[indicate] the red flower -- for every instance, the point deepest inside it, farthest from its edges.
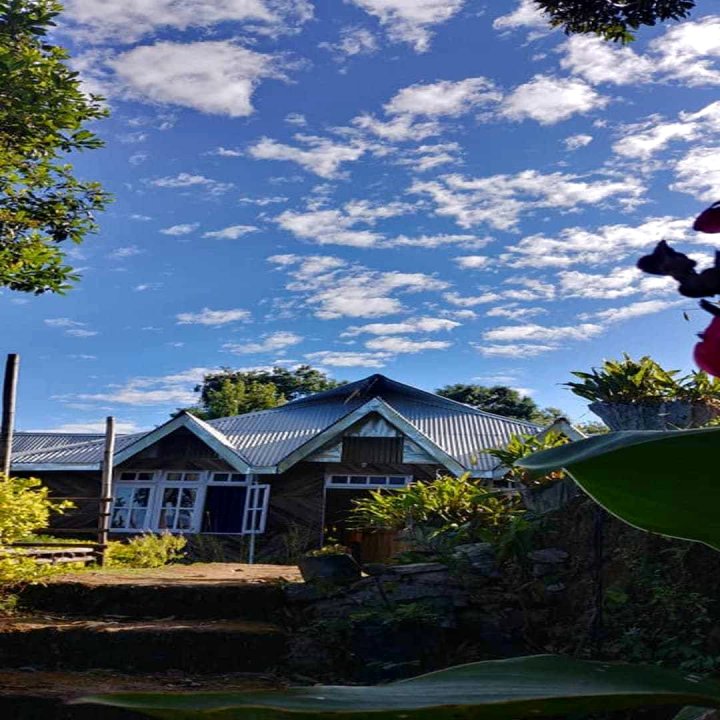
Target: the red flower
(708, 221)
(707, 351)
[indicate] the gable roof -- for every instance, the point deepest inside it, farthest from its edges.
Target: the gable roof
(269, 441)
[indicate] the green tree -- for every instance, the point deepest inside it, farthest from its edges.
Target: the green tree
(43, 117)
(234, 392)
(616, 21)
(498, 399)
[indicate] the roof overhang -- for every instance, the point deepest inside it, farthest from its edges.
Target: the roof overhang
(215, 440)
(379, 406)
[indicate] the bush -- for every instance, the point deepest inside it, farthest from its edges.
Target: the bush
(521, 446)
(145, 551)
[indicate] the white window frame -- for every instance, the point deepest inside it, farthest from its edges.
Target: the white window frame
(368, 485)
(229, 482)
(256, 501)
(157, 485)
(134, 485)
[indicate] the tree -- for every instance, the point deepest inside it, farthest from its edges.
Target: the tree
(498, 399)
(43, 113)
(548, 415)
(611, 19)
(234, 392)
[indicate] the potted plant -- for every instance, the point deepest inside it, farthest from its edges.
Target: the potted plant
(632, 394)
(331, 563)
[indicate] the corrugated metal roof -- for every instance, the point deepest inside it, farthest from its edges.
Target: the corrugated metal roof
(33, 441)
(265, 438)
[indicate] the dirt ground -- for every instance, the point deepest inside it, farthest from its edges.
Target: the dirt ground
(196, 574)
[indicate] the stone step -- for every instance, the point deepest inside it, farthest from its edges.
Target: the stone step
(133, 646)
(45, 695)
(188, 600)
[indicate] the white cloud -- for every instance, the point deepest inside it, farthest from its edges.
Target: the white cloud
(334, 289)
(213, 317)
(698, 173)
(578, 245)
(321, 156)
(427, 157)
(472, 262)
(575, 142)
(216, 77)
(534, 333)
(445, 98)
(471, 301)
(516, 351)
(270, 343)
(352, 41)
(182, 229)
(348, 359)
(398, 345)
(226, 152)
(416, 325)
(500, 200)
(232, 232)
(130, 20)
(411, 21)
(526, 15)
(633, 310)
(513, 311)
(600, 62)
(89, 428)
(72, 328)
(125, 252)
(616, 283)
(188, 180)
(398, 129)
(171, 390)
(550, 100)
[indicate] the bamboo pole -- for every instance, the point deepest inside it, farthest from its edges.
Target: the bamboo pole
(106, 488)
(9, 398)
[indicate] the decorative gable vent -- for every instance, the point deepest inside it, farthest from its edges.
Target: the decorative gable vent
(384, 450)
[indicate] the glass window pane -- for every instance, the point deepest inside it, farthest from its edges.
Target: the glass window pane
(358, 480)
(173, 476)
(127, 475)
(184, 521)
(187, 498)
(339, 479)
(397, 480)
(237, 477)
(170, 497)
(137, 519)
(122, 496)
(119, 519)
(220, 477)
(192, 477)
(141, 497)
(378, 480)
(145, 476)
(167, 520)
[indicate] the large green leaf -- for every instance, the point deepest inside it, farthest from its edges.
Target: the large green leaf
(493, 690)
(665, 482)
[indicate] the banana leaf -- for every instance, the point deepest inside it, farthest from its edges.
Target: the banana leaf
(664, 482)
(534, 686)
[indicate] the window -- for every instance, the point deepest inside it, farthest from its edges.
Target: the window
(136, 476)
(177, 509)
(131, 507)
(372, 449)
(358, 482)
(224, 477)
(256, 506)
(182, 476)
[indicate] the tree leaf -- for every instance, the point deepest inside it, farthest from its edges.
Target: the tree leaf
(662, 482)
(495, 690)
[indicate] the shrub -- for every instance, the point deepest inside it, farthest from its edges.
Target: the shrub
(326, 550)
(145, 551)
(521, 446)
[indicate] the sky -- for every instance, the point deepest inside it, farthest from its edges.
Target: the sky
(443, 191)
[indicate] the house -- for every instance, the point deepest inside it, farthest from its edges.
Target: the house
(266, 473)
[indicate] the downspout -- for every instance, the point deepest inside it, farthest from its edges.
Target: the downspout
(251, 545)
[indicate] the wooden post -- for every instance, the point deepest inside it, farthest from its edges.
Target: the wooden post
(106, 488)
(251, 544)
(8, 412)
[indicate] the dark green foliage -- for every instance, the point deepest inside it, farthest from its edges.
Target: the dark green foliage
(43, 114)
(616, 21)
(498, 399)
(234, 392)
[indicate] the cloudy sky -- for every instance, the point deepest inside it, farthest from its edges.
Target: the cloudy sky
(439, 190)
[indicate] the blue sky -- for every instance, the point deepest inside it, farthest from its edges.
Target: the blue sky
(440, 190)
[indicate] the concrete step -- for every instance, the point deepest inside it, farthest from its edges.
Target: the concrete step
(133, 646)
(187, 600)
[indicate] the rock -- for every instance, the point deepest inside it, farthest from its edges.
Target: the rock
(548, 556)
(481, 556)
(555, 587)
